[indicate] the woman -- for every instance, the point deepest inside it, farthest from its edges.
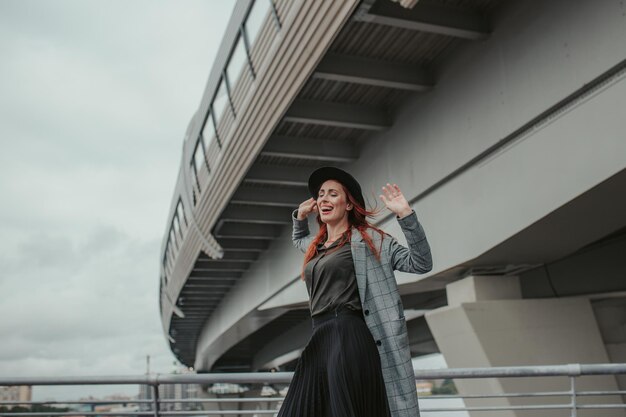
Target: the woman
(357, 362)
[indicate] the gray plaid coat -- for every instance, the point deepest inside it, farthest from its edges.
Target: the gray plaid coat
(382, 306)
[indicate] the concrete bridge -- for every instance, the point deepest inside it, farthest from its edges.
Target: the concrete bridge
(503, 122)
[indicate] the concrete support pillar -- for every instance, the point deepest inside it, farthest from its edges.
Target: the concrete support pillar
(611, 315)
(487, 323)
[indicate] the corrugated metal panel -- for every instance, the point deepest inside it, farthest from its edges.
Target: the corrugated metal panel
(316, 131)
(391, 44)
(285, 161)
(482, 6)
(274, 186)
(349, 93)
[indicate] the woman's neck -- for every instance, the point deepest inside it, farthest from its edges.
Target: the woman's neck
(334, 231)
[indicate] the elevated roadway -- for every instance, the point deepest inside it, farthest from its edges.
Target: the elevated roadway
(502, 122)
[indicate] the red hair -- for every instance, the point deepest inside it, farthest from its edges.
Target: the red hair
(357, 217)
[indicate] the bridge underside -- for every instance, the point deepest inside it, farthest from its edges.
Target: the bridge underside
(383, 55)
(498, 120)
(547, 264)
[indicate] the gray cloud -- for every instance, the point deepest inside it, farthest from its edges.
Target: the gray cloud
(96, 97)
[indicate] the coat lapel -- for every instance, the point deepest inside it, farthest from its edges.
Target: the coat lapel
(359, 258)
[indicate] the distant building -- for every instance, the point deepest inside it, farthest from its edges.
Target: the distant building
(171, 392)
(145, 393)
(118, 397)
(103, 407)
(424, 387)
(16, 393)
(178, 392)
(115, 406)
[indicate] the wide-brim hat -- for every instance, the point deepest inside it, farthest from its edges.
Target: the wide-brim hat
(317, 178)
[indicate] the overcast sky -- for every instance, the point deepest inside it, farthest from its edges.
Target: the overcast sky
(95, 97)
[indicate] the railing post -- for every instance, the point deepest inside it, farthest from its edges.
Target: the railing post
(155, 399)
(573, 393)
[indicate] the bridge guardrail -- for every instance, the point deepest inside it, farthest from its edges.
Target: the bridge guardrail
(154, 381)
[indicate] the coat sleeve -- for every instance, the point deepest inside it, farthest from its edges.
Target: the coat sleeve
(416, 258)
(300, 236)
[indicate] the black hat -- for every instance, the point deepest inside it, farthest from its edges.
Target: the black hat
(317, 178)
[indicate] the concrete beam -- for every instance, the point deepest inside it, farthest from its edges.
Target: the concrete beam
(241, 256)
(198, 276)
(203, 299)
(193, 317)
(249, 231)
(428, 18)
(220, 266)
(209, 289)
(276, 175)
(310, 149)
(235, 244)
(261, 197)
(231, 256)
(261, 215)
(360, 70)
(338, 115)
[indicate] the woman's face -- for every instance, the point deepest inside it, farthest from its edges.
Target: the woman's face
(331, 195)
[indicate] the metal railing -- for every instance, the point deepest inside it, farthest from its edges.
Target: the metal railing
(571, 371)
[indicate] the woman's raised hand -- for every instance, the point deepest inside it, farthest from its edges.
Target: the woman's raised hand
(395, 201)
(307, 207)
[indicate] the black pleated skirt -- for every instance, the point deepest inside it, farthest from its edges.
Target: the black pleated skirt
(339, 373)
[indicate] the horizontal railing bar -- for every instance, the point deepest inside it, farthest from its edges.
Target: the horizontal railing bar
(205, 412)
(273, 411)
(525, 407)
(601, 406)
(86, 380)
(81, 413)
(285, 377)
(281, 398)
(573, 369)
(513, 394)
(528, 394)
(457, 409)
(77, 402)
(559, 406)
(157, 379)
(429, 397)
(590, 393)
(220, 400)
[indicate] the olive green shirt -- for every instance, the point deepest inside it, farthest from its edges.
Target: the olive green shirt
(331, 280)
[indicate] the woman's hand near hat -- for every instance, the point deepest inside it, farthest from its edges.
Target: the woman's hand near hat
(306, 208)
(395, 201)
